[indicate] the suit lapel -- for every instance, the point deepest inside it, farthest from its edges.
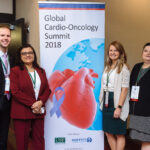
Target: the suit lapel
(28, 80)
(40, 75)
(1, 70)
(2, 79)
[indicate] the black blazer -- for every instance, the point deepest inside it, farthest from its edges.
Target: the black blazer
(2, 84)
(141, 108)
(2, 80)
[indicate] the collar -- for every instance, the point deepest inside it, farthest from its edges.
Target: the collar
(2, 53)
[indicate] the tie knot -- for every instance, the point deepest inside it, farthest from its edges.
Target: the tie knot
(5, 55)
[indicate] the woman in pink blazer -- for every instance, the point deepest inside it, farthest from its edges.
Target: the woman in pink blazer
(30, 91)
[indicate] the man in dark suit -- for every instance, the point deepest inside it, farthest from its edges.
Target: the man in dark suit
(5, 64)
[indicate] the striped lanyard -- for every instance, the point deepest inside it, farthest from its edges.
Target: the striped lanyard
(108, 75)
(33, 79)
(5, 67)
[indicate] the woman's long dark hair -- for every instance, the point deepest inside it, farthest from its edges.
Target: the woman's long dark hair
(20, 62)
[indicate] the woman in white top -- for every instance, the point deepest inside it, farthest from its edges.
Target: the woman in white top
(114, 98)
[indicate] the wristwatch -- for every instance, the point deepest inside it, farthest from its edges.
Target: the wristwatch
(119, 106)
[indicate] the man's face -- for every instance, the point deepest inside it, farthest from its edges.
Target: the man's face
(5, 38)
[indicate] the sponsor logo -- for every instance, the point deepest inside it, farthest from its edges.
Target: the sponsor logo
(82, 140)
(60, 140)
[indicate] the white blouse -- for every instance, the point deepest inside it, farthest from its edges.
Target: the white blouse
(37, 83)
(111, 75)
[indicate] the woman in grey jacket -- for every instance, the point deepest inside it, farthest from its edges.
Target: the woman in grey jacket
(114, 96)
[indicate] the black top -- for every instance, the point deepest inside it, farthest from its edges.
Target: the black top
(142, 106)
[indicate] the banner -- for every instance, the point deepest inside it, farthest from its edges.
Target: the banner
(72, 53)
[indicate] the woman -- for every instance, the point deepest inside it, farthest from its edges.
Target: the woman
(140, 100)
(114, 99)
(30, 91)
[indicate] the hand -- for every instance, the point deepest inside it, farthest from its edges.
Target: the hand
(117, 113)
(39, 111)
(37, 105)
(36, 111)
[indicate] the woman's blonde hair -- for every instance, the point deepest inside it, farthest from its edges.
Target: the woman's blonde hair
(122, 57)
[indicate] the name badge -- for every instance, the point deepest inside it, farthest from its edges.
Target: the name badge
(135, 93)
(7, 85)
(106, 98)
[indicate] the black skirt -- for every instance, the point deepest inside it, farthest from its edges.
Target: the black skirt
(112, 125)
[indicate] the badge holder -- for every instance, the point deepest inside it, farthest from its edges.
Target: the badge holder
(135, 93)
(106, 98)
(7, 85)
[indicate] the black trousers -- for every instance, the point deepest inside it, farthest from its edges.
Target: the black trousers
(4, 127)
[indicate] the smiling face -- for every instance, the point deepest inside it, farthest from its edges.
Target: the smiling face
(146, 54)
(5, 38)
(27, 56)
(113, 53)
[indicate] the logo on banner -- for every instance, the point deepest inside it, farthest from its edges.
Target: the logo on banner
(82, 140)
(60, 140)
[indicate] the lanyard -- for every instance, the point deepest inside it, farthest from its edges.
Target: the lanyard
(6, 69)
(108, 75)
(33, 79)
(141, 73)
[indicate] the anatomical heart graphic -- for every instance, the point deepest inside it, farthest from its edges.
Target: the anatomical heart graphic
(73, 97)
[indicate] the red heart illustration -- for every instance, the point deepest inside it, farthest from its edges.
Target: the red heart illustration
(79, 105)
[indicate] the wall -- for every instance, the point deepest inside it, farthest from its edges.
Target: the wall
(28, 9)
(126, 21)
(6, 6)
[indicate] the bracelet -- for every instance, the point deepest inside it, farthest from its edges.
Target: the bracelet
(119, 106)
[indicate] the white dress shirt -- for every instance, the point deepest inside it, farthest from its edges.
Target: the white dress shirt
(2, 58)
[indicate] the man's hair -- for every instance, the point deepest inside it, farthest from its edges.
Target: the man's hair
(5, 26)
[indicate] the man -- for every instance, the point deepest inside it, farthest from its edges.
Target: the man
(5, 64)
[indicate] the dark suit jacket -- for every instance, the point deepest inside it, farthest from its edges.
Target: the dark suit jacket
(2, 83)
(23, 95)
(2, 80)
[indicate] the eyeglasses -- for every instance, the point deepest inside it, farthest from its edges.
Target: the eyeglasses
(27, 53)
